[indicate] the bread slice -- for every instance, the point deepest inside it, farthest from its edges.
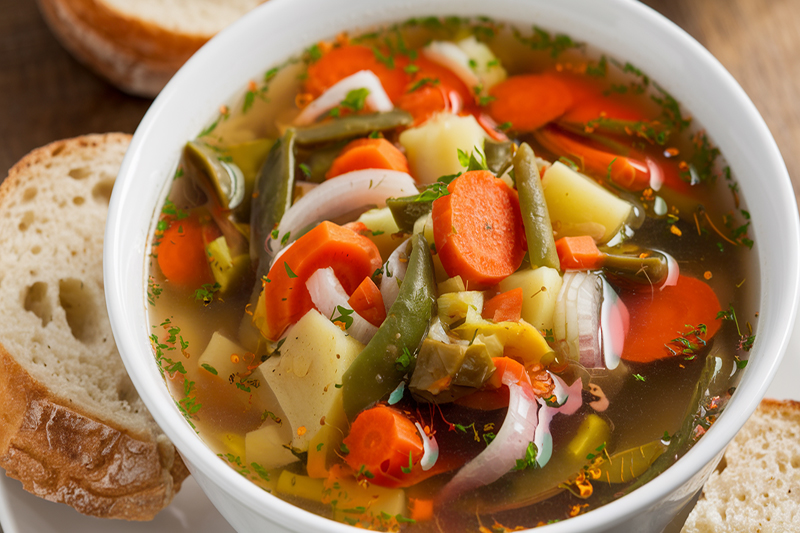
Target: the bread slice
(72, 427)
(138, 45)
(756, 489)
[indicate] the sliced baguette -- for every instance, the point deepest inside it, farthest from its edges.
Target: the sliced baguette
(756, 489)
(138, 45)
(72, 427)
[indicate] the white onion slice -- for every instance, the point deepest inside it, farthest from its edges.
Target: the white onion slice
(394, 271)
(615, 322)
(510, 444)
(341, 195)
(673, 271)
(451, 56)
(570, 400)
(430, 449)
(576, 318)
(377, 100)
(327, 294)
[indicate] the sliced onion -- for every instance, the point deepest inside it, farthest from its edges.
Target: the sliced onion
(327, 294)
(339, 196)
(576, 319)
(615, 322)
(451, 56)
(510, 444)
(377, 100)
(570, 400)
(430, 449)
(394, 271)
(673, 271)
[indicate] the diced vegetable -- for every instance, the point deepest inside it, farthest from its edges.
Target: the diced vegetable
(324, 449)
(455, 284)
(249, 156)
(382, 229)
(300, 486)
(390, 355)
(529, 101)
(367, 301)
(658, 317)
(368, 153)
(540, 288)
(228, 271)
(223, 357)
(408, 210)
(579, 253)
(520, 340)
(483, 62)
(352, 257)
(432, 148)
(331, 300)
(533, 206)
(505, 307)
(367, 504)
(268, 444)
(456, 308)
(312, 361)
(579, 206)
(181, 254)
(478, 229)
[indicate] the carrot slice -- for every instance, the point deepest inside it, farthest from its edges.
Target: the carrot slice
(421, 509)
(425, 102)
(529, 101)
(579, 253)
(368, 153)
(181, 254)
(478, 229)
(367, 301)
(352, 257)
(344, 61)
(659, 316)
(505, 307)
(494, 395)
(626, 172)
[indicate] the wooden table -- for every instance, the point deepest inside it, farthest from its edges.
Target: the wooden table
(47, 95)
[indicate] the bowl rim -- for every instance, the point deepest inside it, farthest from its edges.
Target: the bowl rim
(122, 309)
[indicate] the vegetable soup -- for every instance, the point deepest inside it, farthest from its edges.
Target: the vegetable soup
(449, 276)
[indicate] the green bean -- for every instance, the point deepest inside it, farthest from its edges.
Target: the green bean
(249, 157)
(274, 188)
(353, 126)
(499, 155)
(220, 179)
(538, 230)
(407, 210)
(652, 269)
(391, 354)
(319, 160)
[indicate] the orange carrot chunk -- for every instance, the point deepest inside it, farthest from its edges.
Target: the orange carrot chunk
(478, 229)
(368, 153)
(344, 61)
(493, 395)
(505, 307)
(367, 301)
(353, 257)
(529, 101)
(579, 253)
(659, 316)
(181, 254)
(626, 172)
(421, 509)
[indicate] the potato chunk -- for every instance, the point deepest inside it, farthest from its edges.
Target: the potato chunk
(540, 288)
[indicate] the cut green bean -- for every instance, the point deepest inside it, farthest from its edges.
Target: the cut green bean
(391, 354)
(220, 179)
(407, 210)
(352, 126)
(652, 269)
(535, 217)
(499, 155)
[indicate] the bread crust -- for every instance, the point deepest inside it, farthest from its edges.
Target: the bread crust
(135, 55)
(53, 445)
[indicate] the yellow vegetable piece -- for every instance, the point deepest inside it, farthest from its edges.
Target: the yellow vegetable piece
(455, 284)
(382, 226)
(629, 464)
(300, 486)
(520, 340)
(323, 448)
(354, 501)
(540, 288)
(228, 271)
(592, 433)
(455, 307)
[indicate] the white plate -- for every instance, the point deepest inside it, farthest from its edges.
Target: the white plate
(21, 512)
(191, 511)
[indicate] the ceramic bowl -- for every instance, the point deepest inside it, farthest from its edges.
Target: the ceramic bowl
(624, 29)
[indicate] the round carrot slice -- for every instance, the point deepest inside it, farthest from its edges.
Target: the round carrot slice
(529, 101)
(478, 229)
(181, 254)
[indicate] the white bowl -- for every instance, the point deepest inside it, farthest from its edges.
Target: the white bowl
(624, 29)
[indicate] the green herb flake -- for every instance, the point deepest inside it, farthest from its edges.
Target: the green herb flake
(344, 316)
(639, 377)
(210, 369)
(403, 362)
(289, 270)
(305, 170)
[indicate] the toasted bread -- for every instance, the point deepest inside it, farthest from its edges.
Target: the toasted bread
(73, 429)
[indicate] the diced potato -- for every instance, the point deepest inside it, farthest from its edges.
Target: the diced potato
(432, 148)
(266, 445)
(455, 284)
(579, 206)
(540, 288)
(382, 225)
(349, 495)
(323, 451)
(300, 486)
(228, 271)
(223, 356)
(313, 359)
(464, 306)
(485, 64)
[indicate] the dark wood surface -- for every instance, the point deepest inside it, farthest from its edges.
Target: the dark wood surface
(47, 95)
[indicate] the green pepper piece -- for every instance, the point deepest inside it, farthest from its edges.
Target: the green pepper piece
(391, 354)
(535, 217)
(222, 179)
(408, 209)
(249, 157)
(353, 126)
(274, 189)
(499, 155)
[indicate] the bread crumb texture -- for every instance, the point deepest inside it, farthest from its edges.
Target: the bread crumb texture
(73, 429)
(756, 488)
